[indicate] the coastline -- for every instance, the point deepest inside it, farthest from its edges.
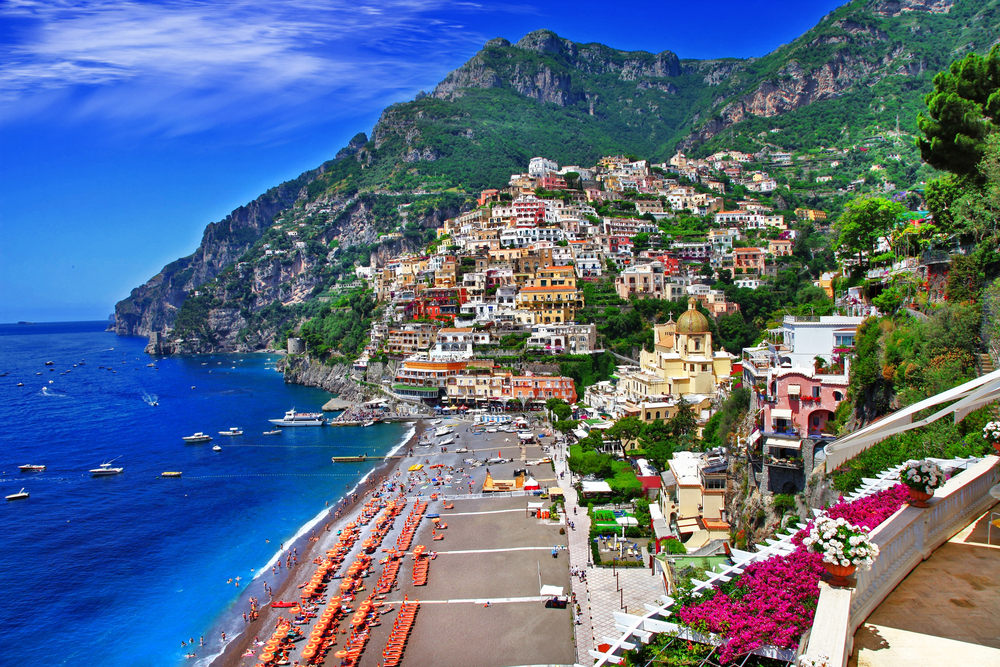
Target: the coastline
(232, 654)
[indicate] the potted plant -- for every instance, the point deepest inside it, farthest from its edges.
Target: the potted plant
(922, 477)
(991, 433)
(844, 547)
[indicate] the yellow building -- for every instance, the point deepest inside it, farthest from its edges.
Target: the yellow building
(552, 295)
(683, 356)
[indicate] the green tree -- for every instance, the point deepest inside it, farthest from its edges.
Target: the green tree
(626, 430)
(962, 112)
(863, 223)
(559, 408)
(684, 423)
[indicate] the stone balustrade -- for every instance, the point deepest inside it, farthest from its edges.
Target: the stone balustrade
(904, 540)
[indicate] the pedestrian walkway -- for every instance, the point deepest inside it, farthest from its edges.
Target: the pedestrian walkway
(621, 589)
(579, 558)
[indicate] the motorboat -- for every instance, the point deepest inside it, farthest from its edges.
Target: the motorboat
(31, 468)
(446, 441)
(293, 418)
(173, 473)
(197, 437)
(443, 430)
(462, 450)
(105, 470)
(20, 495)
(274, 432)
(233, 430)
(370, 422)
(216, 448)
(435, 422)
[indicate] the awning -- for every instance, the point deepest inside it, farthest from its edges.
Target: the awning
(754, 437)
(535, 506)
(546, 591)
(794, 390)
(554, 491)
(596, 487)
(580, 433)
(784, 444)
(660, 529)
(627, 521)
(781, 414)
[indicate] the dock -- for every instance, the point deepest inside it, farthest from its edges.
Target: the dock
(349, 459)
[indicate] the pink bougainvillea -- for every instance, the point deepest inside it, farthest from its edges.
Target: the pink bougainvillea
(773, 601)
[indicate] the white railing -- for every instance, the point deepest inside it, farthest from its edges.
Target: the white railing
(904, 540)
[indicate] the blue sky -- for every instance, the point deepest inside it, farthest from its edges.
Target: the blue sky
(126, 127)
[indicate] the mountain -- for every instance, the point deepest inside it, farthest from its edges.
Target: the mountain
(866, 65)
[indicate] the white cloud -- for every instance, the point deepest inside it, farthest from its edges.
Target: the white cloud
(181, 64)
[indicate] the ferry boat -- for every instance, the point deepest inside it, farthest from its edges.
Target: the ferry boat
(105, 470)
(31, 468)
(233, 430)
(197, 437)
(293, 418)
(20, 495)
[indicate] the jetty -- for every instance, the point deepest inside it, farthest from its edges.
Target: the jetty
(349, 459)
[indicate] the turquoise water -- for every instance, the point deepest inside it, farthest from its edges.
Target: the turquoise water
(117, 571)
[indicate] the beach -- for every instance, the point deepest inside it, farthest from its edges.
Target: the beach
(491, 552)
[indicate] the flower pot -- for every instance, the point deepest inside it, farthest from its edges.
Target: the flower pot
(839, 573)
(919, 498)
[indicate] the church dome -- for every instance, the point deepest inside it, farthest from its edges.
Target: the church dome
(691, 321)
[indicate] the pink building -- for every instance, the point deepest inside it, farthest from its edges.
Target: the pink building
(804, 403)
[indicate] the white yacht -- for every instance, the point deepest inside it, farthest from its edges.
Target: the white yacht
(443, 430)
(197, 437)
(216, 448)
(233, 430)
(293, 418)
(20, 495)
(105, 469)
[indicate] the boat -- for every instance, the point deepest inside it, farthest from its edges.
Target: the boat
(216, 448)
(443, 430)
(20, 384)
(349, 459)
(170, 474)
(446, 441)
(105, 469)
(281, 604)
(274, 432)
(50, 363)
(31, 468)
(20, 495)
(370, 422)
(197, 437)
(233, 430)
(435, 422)
(462, 450)
(293, 418)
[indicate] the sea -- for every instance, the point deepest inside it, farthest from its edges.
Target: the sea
(119, 571)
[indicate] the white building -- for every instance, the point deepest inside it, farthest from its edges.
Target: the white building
(540, 166)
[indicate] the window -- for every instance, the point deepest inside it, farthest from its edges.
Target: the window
(816, 421)
(816, 392)
(837, 396)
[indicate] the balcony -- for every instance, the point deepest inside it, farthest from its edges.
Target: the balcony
(932, 595)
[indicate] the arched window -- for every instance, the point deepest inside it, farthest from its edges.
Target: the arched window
(838, 396)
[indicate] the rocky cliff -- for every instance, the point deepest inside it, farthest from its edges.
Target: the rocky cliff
(153, 305)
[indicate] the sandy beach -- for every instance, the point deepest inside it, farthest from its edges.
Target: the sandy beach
(491, 552)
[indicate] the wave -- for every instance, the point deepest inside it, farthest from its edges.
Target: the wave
(150, 399)
(51, 393)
